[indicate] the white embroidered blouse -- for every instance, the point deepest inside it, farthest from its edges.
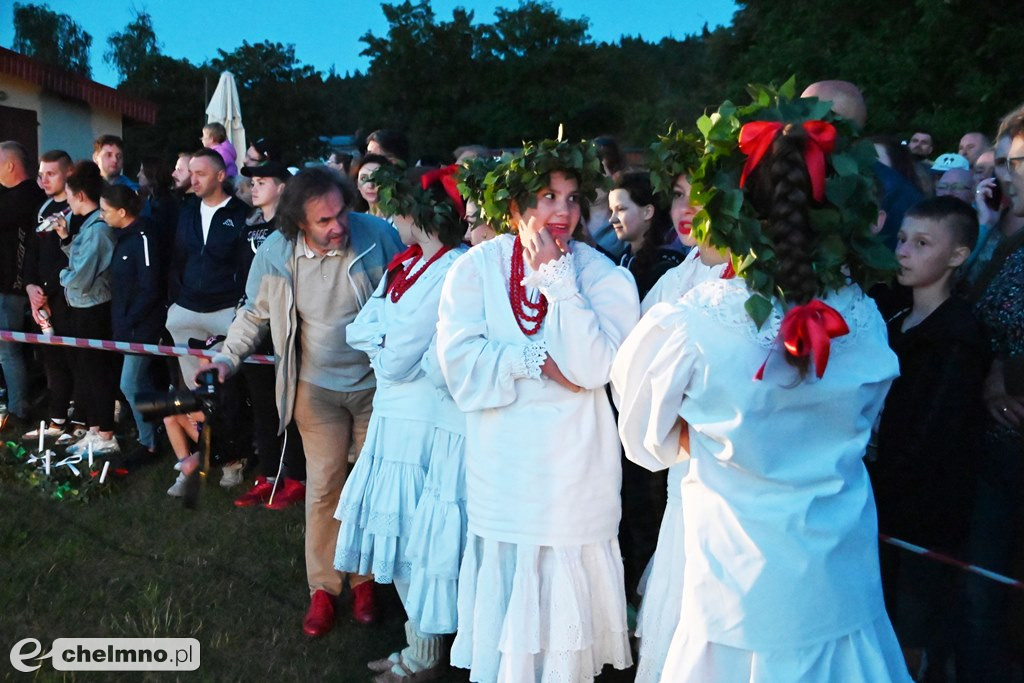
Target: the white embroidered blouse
(542, 462)
(781, 532)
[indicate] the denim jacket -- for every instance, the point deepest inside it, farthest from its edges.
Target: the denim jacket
(86, 280)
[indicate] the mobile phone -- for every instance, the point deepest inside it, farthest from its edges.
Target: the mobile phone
(996, 200)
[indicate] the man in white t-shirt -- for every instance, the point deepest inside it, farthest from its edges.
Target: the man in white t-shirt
(204, 271)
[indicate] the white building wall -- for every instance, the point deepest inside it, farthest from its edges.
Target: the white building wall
(63, 123)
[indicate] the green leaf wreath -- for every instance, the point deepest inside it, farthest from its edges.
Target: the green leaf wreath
(844, 249)
(400, 195)
(520, 176)
(471, 178)
(63, 483)
(675, 153)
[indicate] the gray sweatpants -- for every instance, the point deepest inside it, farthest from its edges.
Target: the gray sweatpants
(184, 324)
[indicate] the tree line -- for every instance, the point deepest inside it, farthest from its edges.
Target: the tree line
(945, 67)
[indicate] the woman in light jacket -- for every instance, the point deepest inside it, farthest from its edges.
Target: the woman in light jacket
(86, 282)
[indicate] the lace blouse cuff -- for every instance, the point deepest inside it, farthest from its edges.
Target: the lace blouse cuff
(555, 279)
(528, 363)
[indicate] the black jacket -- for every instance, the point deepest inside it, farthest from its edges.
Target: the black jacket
(929, 437)
(204, 277)
(44, 259)
(162, 214)
(18, 206)
(664, 260)
(138, 309)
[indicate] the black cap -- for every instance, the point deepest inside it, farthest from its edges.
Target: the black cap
(268, 169)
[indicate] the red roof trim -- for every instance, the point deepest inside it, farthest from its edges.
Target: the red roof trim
(77, 87)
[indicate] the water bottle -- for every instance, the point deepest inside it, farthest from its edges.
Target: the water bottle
(44, 321)
(50, 222)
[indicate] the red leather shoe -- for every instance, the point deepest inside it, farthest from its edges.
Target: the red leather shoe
(364, 610)
(259, 493)
(288, 493)
(320, 615)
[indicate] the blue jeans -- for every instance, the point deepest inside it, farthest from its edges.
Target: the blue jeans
(137, 377)
(12, 317)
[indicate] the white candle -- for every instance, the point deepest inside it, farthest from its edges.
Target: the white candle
(46, 460)
(90, 455)
(42, 435)
(103, 474)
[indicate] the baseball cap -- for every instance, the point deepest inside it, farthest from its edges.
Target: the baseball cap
(949, 161)
(268, 169)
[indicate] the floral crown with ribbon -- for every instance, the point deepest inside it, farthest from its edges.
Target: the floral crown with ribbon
(528, 171)
(844, 207)
(675, 153)
(400, 195)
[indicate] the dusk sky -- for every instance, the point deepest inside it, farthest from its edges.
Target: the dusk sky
(327, 33)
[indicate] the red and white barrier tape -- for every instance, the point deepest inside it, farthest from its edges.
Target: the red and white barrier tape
(952, 561)
(161, 350)
(122, 347)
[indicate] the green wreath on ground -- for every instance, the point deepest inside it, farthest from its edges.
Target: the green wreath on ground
(69, 479)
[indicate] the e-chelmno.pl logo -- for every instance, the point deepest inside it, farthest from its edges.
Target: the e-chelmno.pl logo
(108, 654)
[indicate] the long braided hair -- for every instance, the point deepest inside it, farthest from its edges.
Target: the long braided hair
(781, 194)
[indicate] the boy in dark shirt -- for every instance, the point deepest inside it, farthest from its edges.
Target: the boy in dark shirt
(929, 430)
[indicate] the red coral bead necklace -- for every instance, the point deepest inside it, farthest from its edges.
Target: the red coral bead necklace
(521, 304)
(402, 281)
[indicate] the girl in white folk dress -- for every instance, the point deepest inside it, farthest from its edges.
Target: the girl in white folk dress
(781, 581)
(403, 507)
(673, 158)
(529, 325)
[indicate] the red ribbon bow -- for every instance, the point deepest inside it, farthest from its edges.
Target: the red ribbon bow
(446, 175)
(413, 252)
(807, 331)
(757, 137)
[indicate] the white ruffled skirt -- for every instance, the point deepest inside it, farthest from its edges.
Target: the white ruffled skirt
(540, 613)
(378, 503)
(868, 655)
(662, 590)
(437, 539)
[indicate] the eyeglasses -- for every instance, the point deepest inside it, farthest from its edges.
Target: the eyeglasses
(952, 187)
(1013, 163)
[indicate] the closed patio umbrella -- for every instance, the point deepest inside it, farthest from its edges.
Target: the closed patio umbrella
(226, 109)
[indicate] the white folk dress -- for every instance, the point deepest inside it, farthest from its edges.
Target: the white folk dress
(541, 592)
(680, 279)
(662, 582)
(410, 474)
(781, 541)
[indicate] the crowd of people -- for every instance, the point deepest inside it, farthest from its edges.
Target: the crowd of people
(594, 412)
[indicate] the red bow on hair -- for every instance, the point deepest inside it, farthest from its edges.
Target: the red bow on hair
(808, 330)
(446, 175)
(757, 137)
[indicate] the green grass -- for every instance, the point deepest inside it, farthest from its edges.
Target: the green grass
(135, 563)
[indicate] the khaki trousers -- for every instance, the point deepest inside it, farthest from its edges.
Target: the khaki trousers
(329, 422)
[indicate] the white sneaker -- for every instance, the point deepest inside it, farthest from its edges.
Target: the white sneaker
(81, 447)
(52, 430)
(231, 475)
(178, 487)
(68, 438)
(101, 446)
